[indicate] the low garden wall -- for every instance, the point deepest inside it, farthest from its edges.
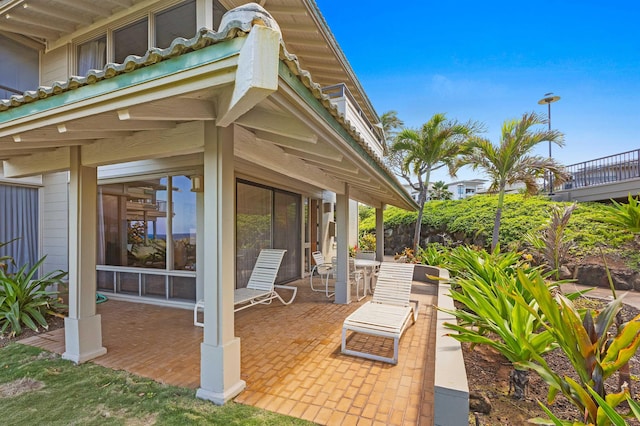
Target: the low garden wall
(451, 390)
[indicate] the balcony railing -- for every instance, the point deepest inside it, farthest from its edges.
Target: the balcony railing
(347, 105)
(614, 168)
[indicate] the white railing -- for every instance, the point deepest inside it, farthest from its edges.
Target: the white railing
(347, 105)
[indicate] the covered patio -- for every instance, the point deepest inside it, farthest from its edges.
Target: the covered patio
(290, 357)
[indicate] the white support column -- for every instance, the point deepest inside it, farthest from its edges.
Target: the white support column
(82, 328)
(220, 350)
(200, 245)
(379, 233)
(343, 289)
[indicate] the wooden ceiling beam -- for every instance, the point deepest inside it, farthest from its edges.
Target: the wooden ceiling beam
(50, 144)
(179, 109)
(47, 24)
(277, 124)
(16, 27)
(111, 124)
(92, 8)
(286, 10)
(54, 136)
(65, 15)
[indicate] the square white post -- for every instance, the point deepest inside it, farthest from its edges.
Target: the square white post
(343, 288)
(82, 328)
(220, 350)
(380, 233)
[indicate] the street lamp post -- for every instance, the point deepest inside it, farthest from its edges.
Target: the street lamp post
(548, 99)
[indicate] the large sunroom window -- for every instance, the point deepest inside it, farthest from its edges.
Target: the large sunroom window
(147, 238)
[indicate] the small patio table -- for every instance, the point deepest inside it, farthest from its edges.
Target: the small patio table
(368, 266)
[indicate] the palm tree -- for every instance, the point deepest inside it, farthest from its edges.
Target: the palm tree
(511, 162)
(390, 123)
(440, 191)
(436, 144)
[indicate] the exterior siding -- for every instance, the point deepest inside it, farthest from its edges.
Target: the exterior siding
(55, 221)
(55, 66)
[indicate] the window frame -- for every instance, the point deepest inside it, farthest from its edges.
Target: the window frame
(109, 29)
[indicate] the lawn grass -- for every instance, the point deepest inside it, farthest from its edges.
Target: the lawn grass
(89, 394)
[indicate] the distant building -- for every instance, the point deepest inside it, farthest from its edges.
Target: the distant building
(466, 188)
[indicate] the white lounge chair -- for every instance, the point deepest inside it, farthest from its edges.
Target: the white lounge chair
(388, 313)
(261, 286)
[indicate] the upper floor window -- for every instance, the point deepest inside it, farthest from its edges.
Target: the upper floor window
(133, 39)
(18, 68)
(179, 21)
(92, 55)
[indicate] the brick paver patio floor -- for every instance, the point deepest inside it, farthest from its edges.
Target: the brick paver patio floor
(291, 357)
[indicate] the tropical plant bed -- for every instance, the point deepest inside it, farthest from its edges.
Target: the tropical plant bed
(53, 321)
(488, 377)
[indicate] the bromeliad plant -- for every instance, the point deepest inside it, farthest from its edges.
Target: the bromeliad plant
(468, 261)
(486, 289)
(587, 339)
(25, 300)
(609, 413)
(434, 254)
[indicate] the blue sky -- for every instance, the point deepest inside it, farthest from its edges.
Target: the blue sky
(493, 60)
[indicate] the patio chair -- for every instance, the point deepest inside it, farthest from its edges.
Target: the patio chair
(388, 313)
(324, 270)
(261, 286)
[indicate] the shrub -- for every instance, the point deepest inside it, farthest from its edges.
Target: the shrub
(434, 254)
(367, 242)
(25, 300)
(474, 218)
(485, 285)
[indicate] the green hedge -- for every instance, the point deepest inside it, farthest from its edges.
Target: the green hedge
(474, 217)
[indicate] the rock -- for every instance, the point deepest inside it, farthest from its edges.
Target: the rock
(624, 279)
(479, 403)
(596, 276)
(565, 273)
(591, 275)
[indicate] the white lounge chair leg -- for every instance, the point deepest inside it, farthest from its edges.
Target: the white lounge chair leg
(396, 344)
(286, 287)
(199, 305)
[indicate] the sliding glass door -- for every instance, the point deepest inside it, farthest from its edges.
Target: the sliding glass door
(266, 218)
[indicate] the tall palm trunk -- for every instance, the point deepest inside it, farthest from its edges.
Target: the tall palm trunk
(422, 198)
(496, 223)
(416, 233)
